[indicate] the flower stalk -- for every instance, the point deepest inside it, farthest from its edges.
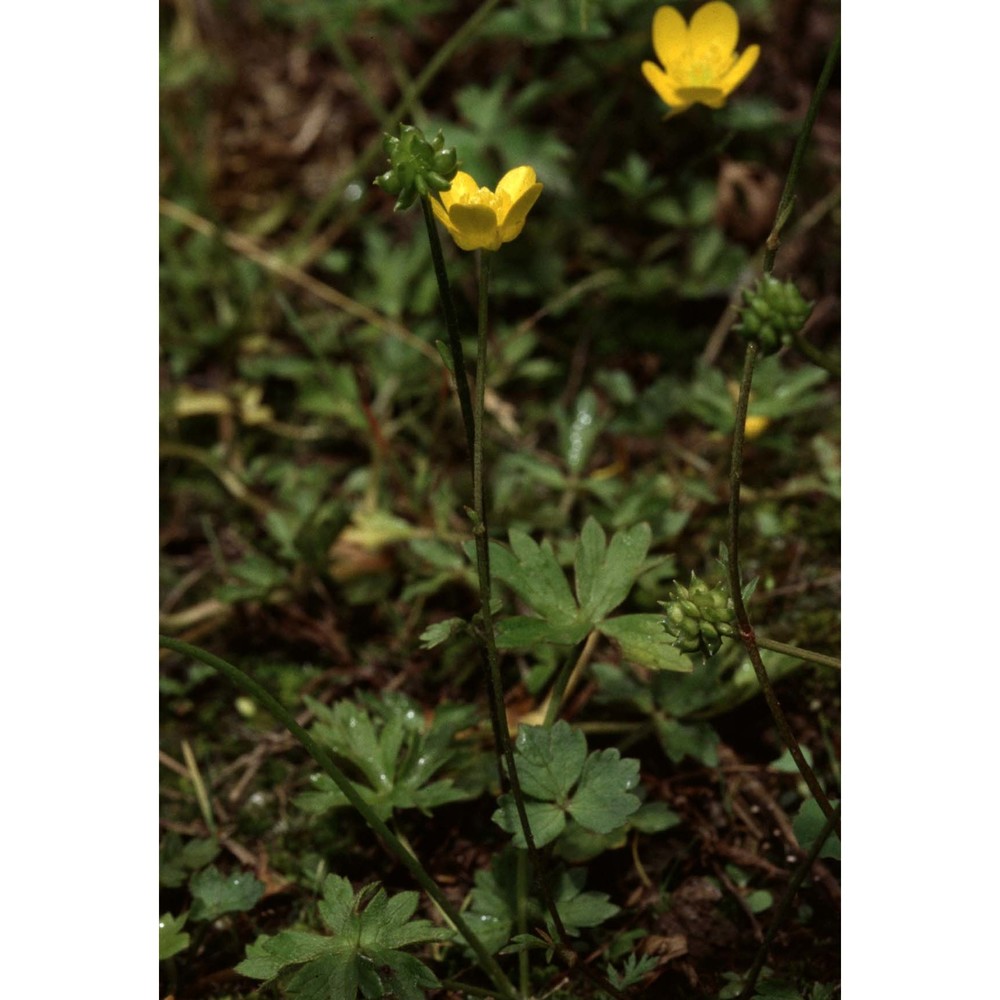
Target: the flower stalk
(744, 625)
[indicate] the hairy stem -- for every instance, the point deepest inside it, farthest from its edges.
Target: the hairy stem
(565, 679)
(743, 624)
(803, 654)
(745, 627)
(480, 529)
(788, 194)
(460, 372)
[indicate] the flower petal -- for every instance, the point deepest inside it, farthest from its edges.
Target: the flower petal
(739, 72)
(441, 213)
(715, 26)
(670, 35)
(462, 187)
(513, 222)
(476, 227)
(515, 182)
(661, 83)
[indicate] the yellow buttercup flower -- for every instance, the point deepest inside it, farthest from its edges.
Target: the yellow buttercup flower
(480, 219)
(755, 426)
(699, 61)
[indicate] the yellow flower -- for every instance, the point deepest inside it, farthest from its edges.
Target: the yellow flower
(700, 65)
(755, 426)
(478, 218)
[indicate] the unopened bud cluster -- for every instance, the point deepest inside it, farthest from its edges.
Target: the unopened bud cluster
(773, 311)
(698, 616)
(417, 167)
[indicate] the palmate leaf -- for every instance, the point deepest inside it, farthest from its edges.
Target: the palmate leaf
(559, 780)
(643, 640)
(494, 903)
(362, 952)
(215, 894)
(604, 574)
(534, 574)
(395, 753)
(173, 937)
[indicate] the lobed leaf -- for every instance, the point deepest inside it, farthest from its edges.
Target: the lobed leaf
(604, 577)
(215, 894)
(532, 572)
(604, 800)
(644, 641)
(550, 761)
(173, 938)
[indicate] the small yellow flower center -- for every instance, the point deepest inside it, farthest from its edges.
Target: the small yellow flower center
(704, 66)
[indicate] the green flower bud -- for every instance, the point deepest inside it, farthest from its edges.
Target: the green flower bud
(389, 182)
(698, 617)
(416, 167)
(446, 162)
(773, 311)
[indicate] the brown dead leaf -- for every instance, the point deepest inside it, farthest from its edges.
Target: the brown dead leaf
(747, 200)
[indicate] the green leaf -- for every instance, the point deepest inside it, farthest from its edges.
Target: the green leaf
(603, 800)
(267, 956)
(654, 817)
(396, 752)
(215, 893)
(532, 572)
(808, 825)
(521, 632)
(494, 902)
(605, 577)
(605, 573)
(336, 906)
(549, 761)
(578, 908)
(325, 976)
(493, 906)
(773, 989)
(579, 435)
(697, 740)
(546, 820)
(644, 641)
(173, 939)
(577, 844)
(440, 632)
(362, 952)
(177, 861)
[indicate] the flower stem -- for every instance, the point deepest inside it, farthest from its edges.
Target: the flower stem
(745, 627)
(494, 682)
(451, 324)
(819, 358)
(788, 195)
(566, 674)
(246, 683)
(803, 654)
